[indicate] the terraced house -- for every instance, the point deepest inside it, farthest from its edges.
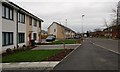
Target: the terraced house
(60, 31)
(17, 26)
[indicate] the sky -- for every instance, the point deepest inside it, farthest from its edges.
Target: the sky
(95, 11)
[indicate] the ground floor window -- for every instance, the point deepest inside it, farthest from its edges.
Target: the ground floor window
(7, 38)
(21, 37)
(34, 36)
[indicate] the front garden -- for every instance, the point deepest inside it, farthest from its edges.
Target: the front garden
(30, 56)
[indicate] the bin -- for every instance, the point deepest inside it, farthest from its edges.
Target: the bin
(32, 42)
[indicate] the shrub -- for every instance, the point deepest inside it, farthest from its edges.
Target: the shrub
(9, 50)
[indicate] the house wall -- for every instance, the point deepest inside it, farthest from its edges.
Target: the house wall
(60, 32)
(38, 32)
(0, 27)
(22, 29)
(54, 26)
(9, 26)
(27, 30)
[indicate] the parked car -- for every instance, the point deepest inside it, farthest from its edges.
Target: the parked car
(50, 38)
(77, 37)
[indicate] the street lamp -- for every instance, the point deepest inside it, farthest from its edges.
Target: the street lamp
(82, 24)
(118, 18)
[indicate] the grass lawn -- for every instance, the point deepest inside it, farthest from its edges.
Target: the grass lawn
(30, 56)
(67, 41)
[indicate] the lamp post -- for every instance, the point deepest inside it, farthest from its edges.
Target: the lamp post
(118, 18)
(82, 24)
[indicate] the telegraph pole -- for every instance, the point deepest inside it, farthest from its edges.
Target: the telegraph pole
(66, 22)
(82, 24)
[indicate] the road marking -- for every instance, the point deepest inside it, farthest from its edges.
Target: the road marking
(105, 48)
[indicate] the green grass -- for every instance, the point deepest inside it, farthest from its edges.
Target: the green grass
(30, 56)
(67, 41)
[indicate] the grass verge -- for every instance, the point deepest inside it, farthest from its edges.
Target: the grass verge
(30, 56)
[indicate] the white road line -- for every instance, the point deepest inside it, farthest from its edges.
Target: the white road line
(105, 48)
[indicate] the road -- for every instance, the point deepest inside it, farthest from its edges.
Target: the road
(106, 43)
(89, 57)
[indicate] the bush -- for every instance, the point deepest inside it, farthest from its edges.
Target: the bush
(15, 50)
(9, 50)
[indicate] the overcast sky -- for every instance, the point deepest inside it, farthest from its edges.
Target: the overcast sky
(58, 10)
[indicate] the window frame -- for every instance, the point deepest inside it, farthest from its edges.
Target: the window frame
(35, 36)
(4, 15)
(21, 17)
(35, 22)
(9, 40)
(30, 21)
(21, 37)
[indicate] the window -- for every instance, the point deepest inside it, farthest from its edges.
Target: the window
(54, 30)
(21, 18)
(40, 24)
(7, 12)
(21, 37)
(3, 11)
(35, 22)
(11, 13)
(7, 38)
(34, 36)
(30, 20)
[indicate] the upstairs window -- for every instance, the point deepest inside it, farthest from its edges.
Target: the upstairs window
(30, 20)
(7, 12)
(39, 24)
(35, 22)
(21, 17)
(54, 30)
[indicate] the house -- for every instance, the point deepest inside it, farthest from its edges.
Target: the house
(60, 31)
(97, 34)
(17, 26)
(44, 34)
(112, 31)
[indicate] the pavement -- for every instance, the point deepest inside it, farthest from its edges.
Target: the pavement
(46, 47)
(89, 57)
(29, 65)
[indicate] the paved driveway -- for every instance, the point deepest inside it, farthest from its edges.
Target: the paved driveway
(67, 46)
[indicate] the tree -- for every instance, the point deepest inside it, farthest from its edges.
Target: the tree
(114, 16)
(108, 27)
(63, 33)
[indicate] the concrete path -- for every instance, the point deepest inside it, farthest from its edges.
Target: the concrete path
(29, 65)
(45, 47)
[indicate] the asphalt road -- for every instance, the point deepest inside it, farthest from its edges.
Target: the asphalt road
(89, 57)
(107, 43)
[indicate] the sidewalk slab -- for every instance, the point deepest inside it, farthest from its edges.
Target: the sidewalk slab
(29, 65)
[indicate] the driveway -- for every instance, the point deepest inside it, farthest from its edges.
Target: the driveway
(45, 47)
